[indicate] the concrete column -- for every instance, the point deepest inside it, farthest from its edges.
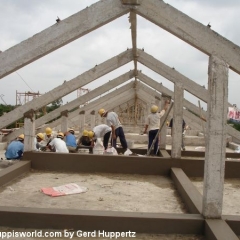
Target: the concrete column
(93, 119)
(177, 121)
(64, 121)
(81, 122)
(29, 130)
(163, 133)
(214, 166)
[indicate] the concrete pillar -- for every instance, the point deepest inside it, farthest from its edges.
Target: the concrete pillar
(81, 122)
(93, 119)
(64, 121)
(214, 166)
(177, 121)
(163, 133)
(29, 130)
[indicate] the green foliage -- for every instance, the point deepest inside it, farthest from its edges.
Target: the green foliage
(235, 125)
(5, 109)
(54, 105)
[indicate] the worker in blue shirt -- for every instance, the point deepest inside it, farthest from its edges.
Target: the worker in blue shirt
(15, 149)
(70, 140)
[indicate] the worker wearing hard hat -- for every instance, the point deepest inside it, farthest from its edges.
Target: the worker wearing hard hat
(37, 141)
(71, 141)
(153, 124)
(101, 131)
(84, 140)
(113, 121)
(15, 148)
(58, 144)
(48, 137)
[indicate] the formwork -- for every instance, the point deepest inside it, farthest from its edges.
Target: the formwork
(184, 175)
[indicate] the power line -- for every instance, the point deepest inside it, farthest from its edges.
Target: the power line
(23, 80)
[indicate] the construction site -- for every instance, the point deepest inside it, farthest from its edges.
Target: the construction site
(190, 194)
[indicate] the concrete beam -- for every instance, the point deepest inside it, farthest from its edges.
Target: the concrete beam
(172, 75)
(13, 172)
(67, 87)
(190, 31)
(217, 229)
(121, 99)
(60, 34)
(75, 103)
(159, 87)
(96, 104)
(189, 193)
(108, 221)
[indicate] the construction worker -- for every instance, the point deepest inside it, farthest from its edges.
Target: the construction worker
(58, 145)
(15, 149)
(39, 138)
(84, 140)
(101, 131)
(71, 141)
(48, 136)
(113, 121)
(153, 124)
(183, 131)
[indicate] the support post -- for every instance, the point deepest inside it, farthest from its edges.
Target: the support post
(163, 133)
(177, 121)
(214, 166)
(29, 130)
(93, 119)
(81, 122)
(64, 121)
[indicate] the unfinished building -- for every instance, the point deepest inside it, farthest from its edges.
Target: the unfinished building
(132, 101)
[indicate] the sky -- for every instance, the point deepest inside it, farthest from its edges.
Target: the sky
(21, 19)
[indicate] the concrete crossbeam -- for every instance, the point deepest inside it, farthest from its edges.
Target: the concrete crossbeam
(190, 31)
(159, 87)
(172, 75)
(60, 34)
(75, 103)
(124, 92)
(189, 193)
(68, 87)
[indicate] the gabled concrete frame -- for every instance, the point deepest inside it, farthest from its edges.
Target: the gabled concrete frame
(29, 50)
(159, 13)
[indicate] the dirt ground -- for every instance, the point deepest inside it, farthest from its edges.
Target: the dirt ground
(231, 195)
(115, 192)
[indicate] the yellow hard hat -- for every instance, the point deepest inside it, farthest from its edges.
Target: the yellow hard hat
(85, 133)
(154, 108)
(48, 131)
(21, 136)
(101, 112)
(90, 134)
(71, 130)
(60, 135)
(40, 135)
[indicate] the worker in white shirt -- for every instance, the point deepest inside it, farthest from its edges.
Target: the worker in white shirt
(113, 121)
(153, 124)
(48, 136)
(101, 131)
(58, 144)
